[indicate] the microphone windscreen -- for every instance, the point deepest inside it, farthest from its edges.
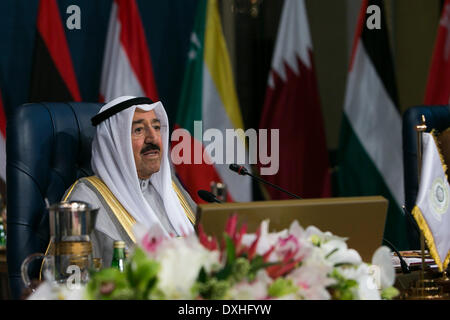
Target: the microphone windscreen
(239, 169)
(206, 196)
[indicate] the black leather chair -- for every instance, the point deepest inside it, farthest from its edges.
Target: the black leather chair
(48, 148)
(438, 118)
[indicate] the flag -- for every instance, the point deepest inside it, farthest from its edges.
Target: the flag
(2, 141)
(208, 95)
(370, 160)
(438, 86)
(52, 76)
(292, 105)
(127, 67)
(432, 209)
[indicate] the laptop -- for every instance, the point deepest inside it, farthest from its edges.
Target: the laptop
(360, 219)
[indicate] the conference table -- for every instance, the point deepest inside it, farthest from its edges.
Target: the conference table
(436, 282)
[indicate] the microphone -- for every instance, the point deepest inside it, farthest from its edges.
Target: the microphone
(239, 169)
(208, 196)
(243, 171)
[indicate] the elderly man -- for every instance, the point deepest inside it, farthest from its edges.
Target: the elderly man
(133, 180)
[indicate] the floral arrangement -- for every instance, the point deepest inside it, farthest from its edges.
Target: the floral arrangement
(290, 264)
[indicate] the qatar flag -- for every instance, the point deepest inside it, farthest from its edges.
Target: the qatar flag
(438, 87)
(292, 105)
(127, 67)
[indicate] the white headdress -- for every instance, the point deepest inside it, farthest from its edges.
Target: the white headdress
(113, 162)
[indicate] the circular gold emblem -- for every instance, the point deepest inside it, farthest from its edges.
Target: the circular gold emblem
(438, 196)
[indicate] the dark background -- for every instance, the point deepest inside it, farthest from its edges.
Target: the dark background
(250, 38)
(167, 26)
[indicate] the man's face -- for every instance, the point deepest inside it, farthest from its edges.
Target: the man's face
(146, 142)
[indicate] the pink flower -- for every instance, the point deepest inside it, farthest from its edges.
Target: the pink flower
(289, 252)
(252, 249)
(230, 227)
(150, 244)
(208, 242)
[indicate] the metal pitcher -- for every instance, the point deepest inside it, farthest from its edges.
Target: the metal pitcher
(69, 255)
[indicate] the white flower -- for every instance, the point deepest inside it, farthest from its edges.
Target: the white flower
(296, 230)
(383, 261)
(337, 252)
(334, 248)
(313, 234)
(53, 291)
(256, 289)
(312, 280)
(180, 261)
(367, 286)
(283, 241)
(366, 289)
(319, 254)
(266, 240)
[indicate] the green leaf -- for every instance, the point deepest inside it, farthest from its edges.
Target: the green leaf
(343, 289)
(225, 272)
(108, 283)
(142, 273)
(202, 275)
(240, 269)
(257, 264)
(315, 239)
(281, 287)
(257, 261)
(389, 293)
(212, 289)
(333, 251)
(230, 249)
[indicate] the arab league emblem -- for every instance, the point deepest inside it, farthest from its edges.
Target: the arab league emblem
(438, 195)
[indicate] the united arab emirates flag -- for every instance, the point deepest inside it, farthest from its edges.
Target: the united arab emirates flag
(52, 77)
(370, 147)
(208, 95)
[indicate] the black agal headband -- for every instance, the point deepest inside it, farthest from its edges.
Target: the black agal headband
(117, 108)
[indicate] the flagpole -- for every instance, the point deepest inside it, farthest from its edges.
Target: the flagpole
(428, 289)
(420, 129)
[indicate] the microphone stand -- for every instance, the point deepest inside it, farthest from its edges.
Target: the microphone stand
(273, 185)
(404, 266)
(243, 171)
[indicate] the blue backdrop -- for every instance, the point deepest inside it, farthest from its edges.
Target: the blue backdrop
(167, 27)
